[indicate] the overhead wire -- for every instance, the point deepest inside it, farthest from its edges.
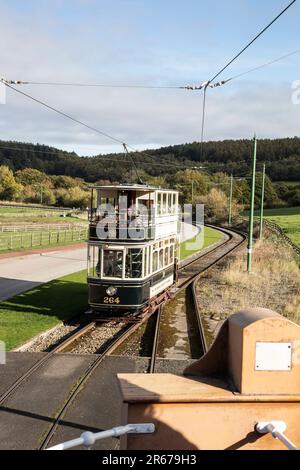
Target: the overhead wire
(232, 60)
(252, 41)
(100, 85)
(262, 66)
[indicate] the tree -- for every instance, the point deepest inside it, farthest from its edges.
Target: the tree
(216, 206)
(157, 181)
(74, 197)
(271, 198)
(33, 177)
(190, 183)
(9, 189)
(66, 182)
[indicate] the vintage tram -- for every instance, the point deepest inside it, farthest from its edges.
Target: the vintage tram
(132, 247)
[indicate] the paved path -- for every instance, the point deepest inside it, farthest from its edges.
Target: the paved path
(18, 274)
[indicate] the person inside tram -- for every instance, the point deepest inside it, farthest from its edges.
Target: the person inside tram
(119, 265)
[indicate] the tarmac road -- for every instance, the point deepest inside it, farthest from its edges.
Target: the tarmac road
(23, 272)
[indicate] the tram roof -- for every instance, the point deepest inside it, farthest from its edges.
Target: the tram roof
(132, 187)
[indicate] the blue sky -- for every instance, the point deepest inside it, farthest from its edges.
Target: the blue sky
(147, 42)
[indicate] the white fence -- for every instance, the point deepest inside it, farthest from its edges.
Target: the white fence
(41, 227)
(23, 240)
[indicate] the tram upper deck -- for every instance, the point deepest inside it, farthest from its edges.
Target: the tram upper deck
(132, 213)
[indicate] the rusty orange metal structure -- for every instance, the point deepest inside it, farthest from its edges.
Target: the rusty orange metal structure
(250, 374)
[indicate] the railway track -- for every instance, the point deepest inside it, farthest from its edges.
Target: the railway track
(188, 278)
(40, 363)
(83, 379)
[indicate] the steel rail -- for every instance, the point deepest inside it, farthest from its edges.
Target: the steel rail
(83, 379)
(192, 280)
(60, 347)
(194, 286)
(155, 341)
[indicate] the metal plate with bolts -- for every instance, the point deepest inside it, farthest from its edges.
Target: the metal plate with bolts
(273, 356)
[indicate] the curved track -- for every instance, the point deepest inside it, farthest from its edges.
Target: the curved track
(189, 276)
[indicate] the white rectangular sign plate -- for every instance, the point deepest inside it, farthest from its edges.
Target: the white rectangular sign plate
(273, 356)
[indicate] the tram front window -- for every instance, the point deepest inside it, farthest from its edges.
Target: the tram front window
(134, 263)
(112, 263)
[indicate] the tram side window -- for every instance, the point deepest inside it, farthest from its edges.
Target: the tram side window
(173, 203)
(145, 262)
(112, 263)
(171, 254)
(159, 203)
(150, 251)
(164, 203)
(155, 261)
(134, 263)
(169, 203)
(94, 261)
(166, 256)
(161, 258)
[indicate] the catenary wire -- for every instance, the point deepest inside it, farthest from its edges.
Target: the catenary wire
(230, 62)
(100, 85)
(262, 65)
(252, 41)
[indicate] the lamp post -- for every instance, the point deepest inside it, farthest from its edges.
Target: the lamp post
(230, 200)
(262, 202)
(251, 215)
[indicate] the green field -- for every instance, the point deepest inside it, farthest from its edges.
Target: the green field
(288, 218)
(17, 215)
(211, 236)
(41, 308)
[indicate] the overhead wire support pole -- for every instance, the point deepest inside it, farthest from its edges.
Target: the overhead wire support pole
(262, 202)
(230, 200)
(203, 117)
(251, 213)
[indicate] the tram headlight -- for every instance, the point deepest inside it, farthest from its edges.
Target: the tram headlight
(111, 290)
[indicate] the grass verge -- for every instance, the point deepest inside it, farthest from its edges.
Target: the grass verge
(28, 314)
(193, 245)
(288, 218)
(274, 283)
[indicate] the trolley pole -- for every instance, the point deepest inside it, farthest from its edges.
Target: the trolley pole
(262, 202)
(251, 215)
(230, 200)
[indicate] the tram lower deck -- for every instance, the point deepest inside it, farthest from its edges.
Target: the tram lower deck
(129, 276)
